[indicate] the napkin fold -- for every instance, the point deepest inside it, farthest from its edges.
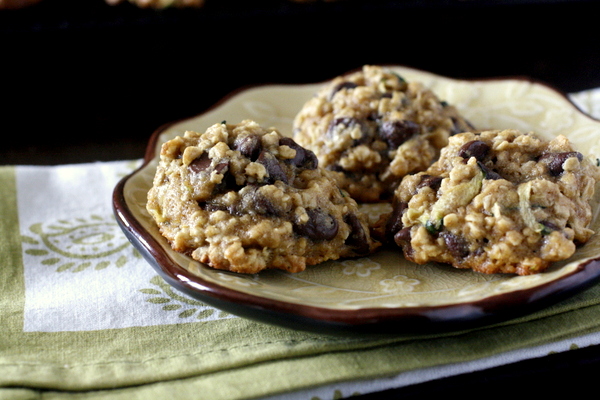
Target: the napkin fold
(82, 315)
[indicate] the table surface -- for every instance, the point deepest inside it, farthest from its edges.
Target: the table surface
(89, 82)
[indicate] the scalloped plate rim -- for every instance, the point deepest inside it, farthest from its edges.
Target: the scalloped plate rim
(327, 320)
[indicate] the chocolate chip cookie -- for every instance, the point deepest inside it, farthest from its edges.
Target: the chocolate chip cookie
(244, 198)
(496, 202)
(372, 127)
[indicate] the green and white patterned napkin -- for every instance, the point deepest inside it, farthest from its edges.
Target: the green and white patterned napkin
(82, 315)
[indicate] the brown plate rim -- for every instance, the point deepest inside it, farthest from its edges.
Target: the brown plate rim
(372, 320)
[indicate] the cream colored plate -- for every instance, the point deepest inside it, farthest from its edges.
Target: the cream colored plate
(381, 291)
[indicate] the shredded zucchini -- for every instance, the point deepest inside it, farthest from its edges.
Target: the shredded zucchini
(524, 191)
(459, 196)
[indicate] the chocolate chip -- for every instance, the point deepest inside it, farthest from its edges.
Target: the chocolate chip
(402, 237)
(200, 164)
(555, 161)
(455, 244)
(474, 148)
(343, 85)
(264, 205)
(222, 167)
(203, 163)
(214, 205)
(310, 160)
(252, 201)
(433, 182)
(274, 169)
(303, 158)
(548, 227)
(346, 121)
(357, 238)
(394, 222)
(249, 146)
(255, 201)
(394, 133)
(228, 183)
(488, 173)
(320, 225)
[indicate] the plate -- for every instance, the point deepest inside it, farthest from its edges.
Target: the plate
(382, 293)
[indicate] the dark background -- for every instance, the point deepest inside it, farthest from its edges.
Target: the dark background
(80, 72)
(83, 81)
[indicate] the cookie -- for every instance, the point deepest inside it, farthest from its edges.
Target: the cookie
(496, 202)
(371, 128)
(243, 198)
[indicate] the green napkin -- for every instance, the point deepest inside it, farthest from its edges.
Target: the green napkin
(82, 315)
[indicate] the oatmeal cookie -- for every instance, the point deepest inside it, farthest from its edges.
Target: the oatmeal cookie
(496, 202)
(371, 128)
(245, 198)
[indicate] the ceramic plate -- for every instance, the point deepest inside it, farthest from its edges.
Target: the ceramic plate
(383, 292)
